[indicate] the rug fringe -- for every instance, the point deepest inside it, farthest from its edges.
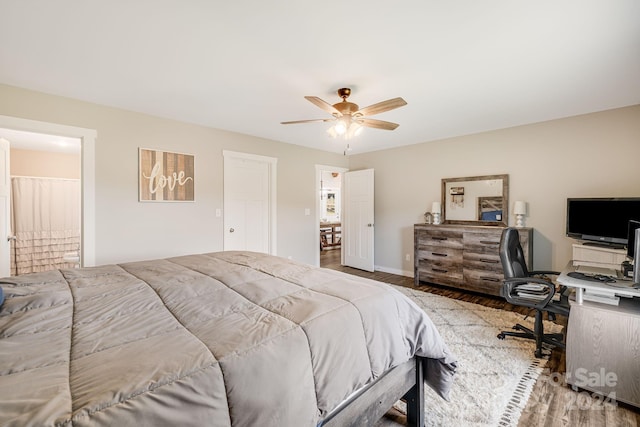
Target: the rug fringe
(518, 401)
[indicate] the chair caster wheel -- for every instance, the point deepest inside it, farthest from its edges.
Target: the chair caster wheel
(501, 336)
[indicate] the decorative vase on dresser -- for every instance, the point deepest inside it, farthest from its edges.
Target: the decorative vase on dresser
(463, 256)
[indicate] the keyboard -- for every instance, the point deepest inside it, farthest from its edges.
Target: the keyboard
(591, 277)
(585, 269)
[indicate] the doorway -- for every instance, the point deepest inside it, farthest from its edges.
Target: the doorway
(44, 203)
(329, 213)
(87, 138)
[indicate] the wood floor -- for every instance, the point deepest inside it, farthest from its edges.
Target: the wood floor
(552, 403)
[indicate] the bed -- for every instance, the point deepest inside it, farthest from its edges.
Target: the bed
(222, 339)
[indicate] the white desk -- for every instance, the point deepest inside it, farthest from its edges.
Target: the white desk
(602, 353)
(618, 288)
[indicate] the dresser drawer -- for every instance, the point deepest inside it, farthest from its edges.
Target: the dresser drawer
(440, 272)
(440, 238)
(483, 261)
(485, 281)
(442, 255)
(482, 243)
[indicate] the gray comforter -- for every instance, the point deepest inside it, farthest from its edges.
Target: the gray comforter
(229, 338)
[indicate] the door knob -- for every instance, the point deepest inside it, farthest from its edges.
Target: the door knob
(231, 230)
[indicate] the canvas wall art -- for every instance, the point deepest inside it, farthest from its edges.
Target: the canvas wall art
(166, 176)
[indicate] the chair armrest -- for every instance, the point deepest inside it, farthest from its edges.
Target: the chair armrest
(562, 290)
(515, 281)
(510, 291)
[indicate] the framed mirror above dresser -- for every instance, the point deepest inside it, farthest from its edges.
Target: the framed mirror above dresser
(476, 200)
(463, 252)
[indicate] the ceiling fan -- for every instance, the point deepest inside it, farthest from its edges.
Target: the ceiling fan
(349, 118)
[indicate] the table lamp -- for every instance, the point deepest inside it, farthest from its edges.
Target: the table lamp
(436, 209)
(520, 210)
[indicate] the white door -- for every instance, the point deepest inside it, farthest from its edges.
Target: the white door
(249, 203)
(5, 209)
(358, 230)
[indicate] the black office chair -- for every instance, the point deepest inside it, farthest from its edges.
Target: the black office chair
(530, 289)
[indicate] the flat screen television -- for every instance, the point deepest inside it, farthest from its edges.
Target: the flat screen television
(601, 220)
(631, 236)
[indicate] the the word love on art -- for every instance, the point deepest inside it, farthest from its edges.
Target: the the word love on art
(165, 176)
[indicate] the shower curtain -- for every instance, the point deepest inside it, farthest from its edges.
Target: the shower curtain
(45, 219)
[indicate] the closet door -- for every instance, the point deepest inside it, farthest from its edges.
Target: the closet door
(249, 203)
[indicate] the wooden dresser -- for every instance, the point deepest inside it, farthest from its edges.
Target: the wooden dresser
(463, 256)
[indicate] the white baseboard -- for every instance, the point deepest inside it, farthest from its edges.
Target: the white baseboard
(394, 271)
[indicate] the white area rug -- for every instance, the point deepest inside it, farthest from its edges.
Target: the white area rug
(494, 377)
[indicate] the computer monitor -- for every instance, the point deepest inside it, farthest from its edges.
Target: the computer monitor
(636, 260)
(602, 221)
(631, 235)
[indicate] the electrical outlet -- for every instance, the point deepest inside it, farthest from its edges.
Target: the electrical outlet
(407, 257)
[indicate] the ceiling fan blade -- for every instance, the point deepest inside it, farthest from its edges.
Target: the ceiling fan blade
(324, 105)
(306, 121)
(378, 124)
(381, 107)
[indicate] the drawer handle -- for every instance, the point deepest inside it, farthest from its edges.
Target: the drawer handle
(490, 261)
(438, 254)
(439, 270)
(487, 242)
(440, 238)
(490, 279)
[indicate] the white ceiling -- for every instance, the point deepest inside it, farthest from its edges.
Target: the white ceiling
(41, 142)
(463, 66)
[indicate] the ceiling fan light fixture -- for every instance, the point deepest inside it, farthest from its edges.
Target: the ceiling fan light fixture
(345, 127)
(341, 127)
(354, 130)
(349, 119)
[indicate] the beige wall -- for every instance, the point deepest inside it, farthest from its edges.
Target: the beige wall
(45, 164)
(591, 155)
(594, 155)
(129, 230)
